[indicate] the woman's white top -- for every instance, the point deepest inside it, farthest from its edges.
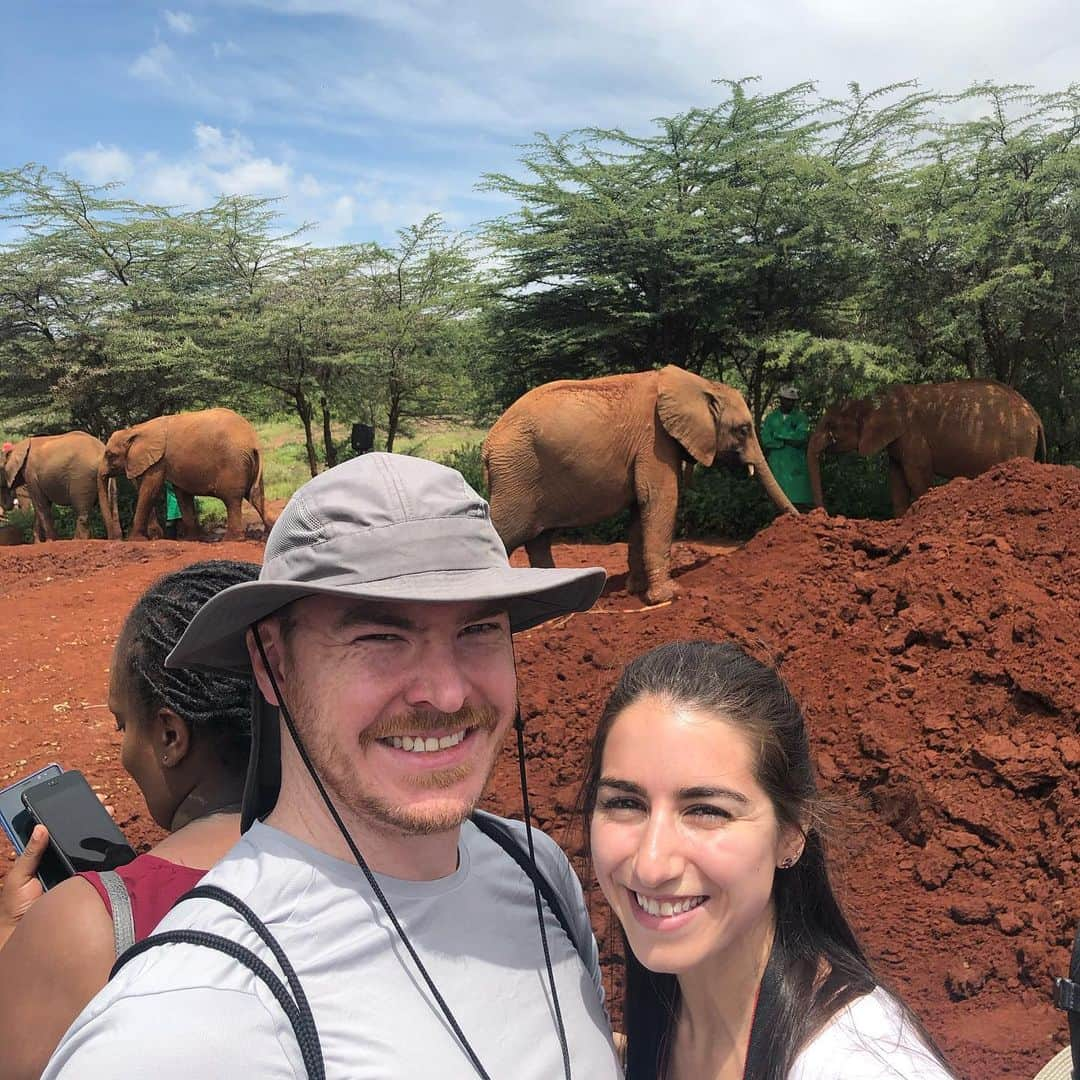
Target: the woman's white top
(869, 1039)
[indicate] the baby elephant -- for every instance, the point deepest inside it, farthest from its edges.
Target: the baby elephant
(64, 470)
(212, 452)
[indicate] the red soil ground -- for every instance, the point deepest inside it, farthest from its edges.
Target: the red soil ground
(936, 658)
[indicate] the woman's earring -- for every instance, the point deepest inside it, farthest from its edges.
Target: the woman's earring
(787, 864)
(164, 759)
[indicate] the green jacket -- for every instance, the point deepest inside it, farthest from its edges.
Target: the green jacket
(783, 438)
(172, 506)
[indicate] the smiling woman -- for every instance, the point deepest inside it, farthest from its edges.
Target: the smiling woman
(702, 815)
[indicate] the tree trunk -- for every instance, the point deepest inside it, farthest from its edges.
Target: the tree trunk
(303, 407)
(392, 421)
(327, 435)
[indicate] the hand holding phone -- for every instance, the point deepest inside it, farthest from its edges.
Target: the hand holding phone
(22, 887)
(81, 832)
(18, 823)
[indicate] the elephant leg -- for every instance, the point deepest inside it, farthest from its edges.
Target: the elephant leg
(918, 469)
(514, 524)
(899, 492)
(234, 524)
(258, 501)
(539, 550)
(658, 499)
(150, 485)
(189, 515)
(44, 527)
(636, 581)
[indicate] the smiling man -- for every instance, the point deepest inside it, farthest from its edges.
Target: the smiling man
(410, 932)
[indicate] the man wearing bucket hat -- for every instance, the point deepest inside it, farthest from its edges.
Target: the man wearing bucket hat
(369, 923)
(785, 433)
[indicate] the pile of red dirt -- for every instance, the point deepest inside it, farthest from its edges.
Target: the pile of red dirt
(935, 657)
(936, 660)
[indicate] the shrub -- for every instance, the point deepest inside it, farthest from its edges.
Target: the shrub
(22, 519)
(466, 459)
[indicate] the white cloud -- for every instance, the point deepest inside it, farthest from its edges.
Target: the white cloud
(154, 64)
(100, 164)
(179, 22)
(175, 184)
(216, 148)
(259, 176)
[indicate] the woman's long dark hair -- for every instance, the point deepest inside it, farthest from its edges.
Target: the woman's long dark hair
(822, 966)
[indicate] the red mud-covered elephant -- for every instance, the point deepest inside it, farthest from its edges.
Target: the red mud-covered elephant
(213, 452)
(948, 429)
(62, 470)
(574, 452)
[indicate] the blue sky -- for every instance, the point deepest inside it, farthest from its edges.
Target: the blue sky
(367, 114)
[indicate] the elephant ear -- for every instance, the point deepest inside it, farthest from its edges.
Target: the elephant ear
(689, 410)
(146, 447)
(880, 427)
(15, 462)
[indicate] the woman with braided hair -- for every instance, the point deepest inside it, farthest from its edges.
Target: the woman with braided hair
(186, 735)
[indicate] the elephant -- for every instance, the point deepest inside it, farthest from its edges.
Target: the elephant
(62, 469)
(212, 452)
(959, 428)
(574, 452)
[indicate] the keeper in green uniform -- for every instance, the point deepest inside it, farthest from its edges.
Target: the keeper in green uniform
(172, 512)
(784, 435)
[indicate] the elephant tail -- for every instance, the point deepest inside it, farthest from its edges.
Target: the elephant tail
(114, 510)
(485, 470)
(255, 489)
(1040, 449)
(110, 513)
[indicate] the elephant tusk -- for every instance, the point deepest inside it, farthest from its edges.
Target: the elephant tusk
(750, 468)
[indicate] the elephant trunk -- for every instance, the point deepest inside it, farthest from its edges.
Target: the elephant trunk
(759, 467)
(814, 449)
(107, 502)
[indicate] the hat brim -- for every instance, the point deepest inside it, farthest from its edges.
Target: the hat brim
(1059, 1067)
(215, 636)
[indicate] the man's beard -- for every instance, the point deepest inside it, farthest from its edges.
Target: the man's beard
(348, 779)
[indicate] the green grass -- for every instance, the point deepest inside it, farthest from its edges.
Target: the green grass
(285, 467)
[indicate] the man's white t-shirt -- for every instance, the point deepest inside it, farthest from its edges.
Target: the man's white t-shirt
(869, 1039)
(181, 1011)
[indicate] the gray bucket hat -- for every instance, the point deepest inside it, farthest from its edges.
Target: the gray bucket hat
(789, 393)
(382, 527)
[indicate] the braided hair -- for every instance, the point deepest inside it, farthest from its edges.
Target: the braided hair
(214, 704)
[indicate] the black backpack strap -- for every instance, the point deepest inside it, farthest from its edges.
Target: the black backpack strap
(495, 829)
(1067, 997)
(294, 1005)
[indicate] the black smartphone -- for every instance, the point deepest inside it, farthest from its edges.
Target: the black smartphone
(18, 823)
(80, 829)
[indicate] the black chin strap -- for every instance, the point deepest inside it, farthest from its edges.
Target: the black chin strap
(360, 861)
(519, 727)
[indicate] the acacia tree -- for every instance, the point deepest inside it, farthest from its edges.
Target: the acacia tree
(696, 245)
(977, 252)
(299, 334)
(110, 310)
(417, 327)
